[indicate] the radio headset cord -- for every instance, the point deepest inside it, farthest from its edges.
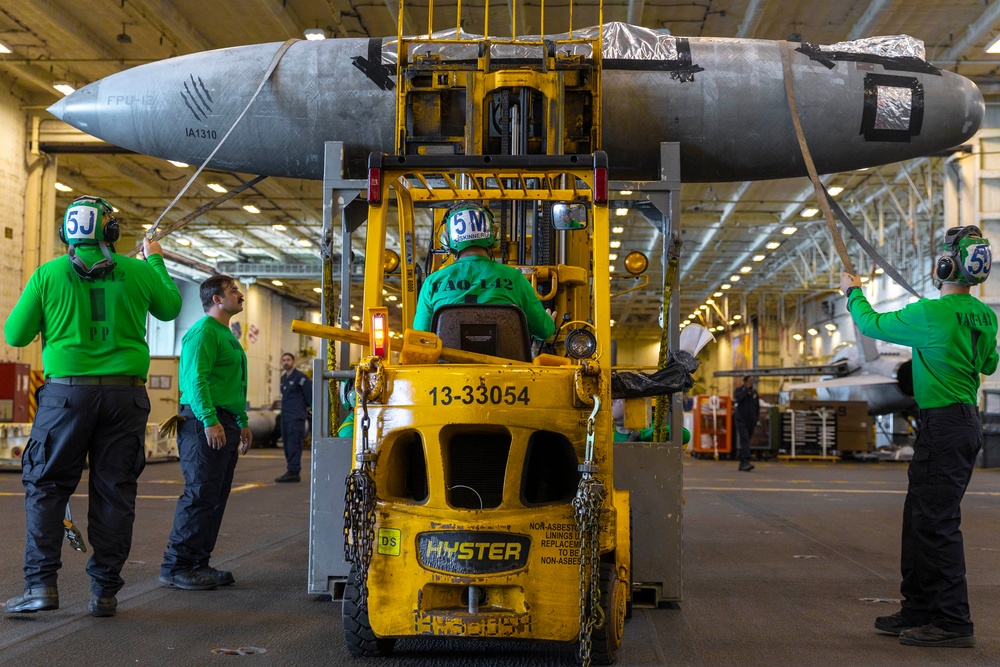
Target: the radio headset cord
(151, 233)
(826, 202)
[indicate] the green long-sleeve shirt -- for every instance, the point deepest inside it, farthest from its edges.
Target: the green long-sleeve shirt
(488, 282)
(213, 372)
(954, 339)
(93, 327)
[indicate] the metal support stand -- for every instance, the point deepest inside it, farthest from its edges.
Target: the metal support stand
(653, 471)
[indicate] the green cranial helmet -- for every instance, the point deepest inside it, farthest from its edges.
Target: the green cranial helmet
(88, 221)
(468, 225)
(966, 257)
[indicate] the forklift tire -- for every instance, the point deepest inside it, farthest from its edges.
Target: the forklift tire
(606, 639)
(361, 641)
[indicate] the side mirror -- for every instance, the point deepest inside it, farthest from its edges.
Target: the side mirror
(569, 217)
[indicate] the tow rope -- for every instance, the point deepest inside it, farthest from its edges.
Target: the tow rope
(826, 202)
(151, 232)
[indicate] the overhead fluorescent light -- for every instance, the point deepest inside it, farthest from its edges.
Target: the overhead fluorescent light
(612, 257)
(305, 243)
(710, 301)
(734, 278)
(773, 245)
(617, 230)
(717, 294)
(616, 244)
(746, 269)
(179, 165)
(809, 212)
(993, 46)
(314, 34)
(250, 208)
(834, 190)
(147, 225)
(183, 241)
(277, 283)
(726, 286)
(811, 331)
(4, 48)
(612, 268)
(278, 228)
(318, 290)
(621, 211)
(217, 188)
(788, 231)
(63, 87)
(62, 188)
(626, 193)
(759, 258)
(208, 252)
(737, 317)
(830, 326)
(797, 336)
(879, 271)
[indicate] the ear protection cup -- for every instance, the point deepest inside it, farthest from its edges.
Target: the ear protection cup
(112, 232)
(946, 268)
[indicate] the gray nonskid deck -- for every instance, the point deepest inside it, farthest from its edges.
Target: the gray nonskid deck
(782, 566)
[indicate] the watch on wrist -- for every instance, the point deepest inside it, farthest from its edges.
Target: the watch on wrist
(851, 289)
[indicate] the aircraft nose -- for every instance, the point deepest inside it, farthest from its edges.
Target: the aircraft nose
(79, 109)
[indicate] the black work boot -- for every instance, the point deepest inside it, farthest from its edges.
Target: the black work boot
(895, 624)
(222, 577)
(289, 476)
(102, 607)
(43, 598)
(190, 580)
(932, 635)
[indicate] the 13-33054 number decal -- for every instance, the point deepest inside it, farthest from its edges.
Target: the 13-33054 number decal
(467, 395)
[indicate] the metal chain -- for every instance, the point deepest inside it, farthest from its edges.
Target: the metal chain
(359, 500)
(587, 513)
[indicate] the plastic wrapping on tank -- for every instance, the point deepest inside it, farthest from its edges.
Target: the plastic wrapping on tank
(889, 46)
(674, 377)
(621, 42)
(893, 108)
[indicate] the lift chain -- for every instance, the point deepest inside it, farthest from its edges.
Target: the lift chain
(587, 512)
(359, 500)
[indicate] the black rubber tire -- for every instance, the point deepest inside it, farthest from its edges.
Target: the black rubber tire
(606, 639)
(358, 634)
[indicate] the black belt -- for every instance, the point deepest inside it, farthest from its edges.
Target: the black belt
(953, 409)
(107, 380)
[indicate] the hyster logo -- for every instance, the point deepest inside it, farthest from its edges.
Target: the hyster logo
(461, 552)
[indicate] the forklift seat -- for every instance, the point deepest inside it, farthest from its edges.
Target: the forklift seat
(499, 330)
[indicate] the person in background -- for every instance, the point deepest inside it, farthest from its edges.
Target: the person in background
(213, 386)
(90, 307)
(469, 232)
(348, 398)
(296, 406)
(747, 414)
(954, 340)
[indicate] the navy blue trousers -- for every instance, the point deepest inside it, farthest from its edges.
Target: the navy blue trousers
(293, 432)
(106, 424)
(933, 554)
(744, 432)
(208, 479)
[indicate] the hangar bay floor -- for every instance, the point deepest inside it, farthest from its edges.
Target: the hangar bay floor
(786, 565)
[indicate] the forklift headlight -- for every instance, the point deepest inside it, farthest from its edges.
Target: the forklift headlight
(580, 344)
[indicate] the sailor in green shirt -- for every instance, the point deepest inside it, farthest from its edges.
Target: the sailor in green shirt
(954, 340)
(90, 307)
(213, 386)
(473, 277)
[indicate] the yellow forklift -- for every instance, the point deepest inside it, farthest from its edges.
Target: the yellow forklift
(482, 501)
